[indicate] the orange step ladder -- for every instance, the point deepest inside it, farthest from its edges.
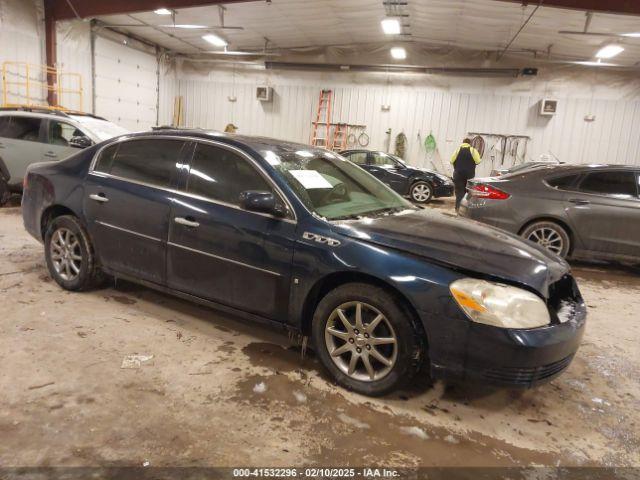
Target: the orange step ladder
(339, 140)
(323, 119)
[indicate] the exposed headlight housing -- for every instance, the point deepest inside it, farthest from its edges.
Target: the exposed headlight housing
(499, 305)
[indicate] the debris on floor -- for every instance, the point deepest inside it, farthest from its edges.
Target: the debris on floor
(260, 387)
(137, 361)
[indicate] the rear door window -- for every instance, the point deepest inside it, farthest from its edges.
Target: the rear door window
(564, 182)
(610, 183)
(383, 160)
(150, 161)
(21, 128)
(222, 175)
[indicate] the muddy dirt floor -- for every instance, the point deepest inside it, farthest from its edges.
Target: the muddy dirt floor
(221, 391)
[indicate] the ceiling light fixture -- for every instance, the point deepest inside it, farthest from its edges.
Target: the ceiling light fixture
(390, 26)
(596, 63)
(163, 11)
(609, 51)
(215, 40)
(186, 26)
(399, 53)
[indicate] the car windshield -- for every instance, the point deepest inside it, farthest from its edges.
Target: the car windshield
(102, 129)
(334, 188)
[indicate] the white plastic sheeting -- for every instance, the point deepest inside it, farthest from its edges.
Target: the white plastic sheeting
(21, 41)
(448, 111)
(74, 55)
(470, 24)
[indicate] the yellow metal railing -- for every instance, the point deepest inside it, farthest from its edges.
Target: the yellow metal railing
(29, 85)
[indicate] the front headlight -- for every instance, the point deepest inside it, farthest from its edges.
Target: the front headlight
(499, 305)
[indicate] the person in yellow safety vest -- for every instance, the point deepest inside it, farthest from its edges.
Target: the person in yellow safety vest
(464, 161)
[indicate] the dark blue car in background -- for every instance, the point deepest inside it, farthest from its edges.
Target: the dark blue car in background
(419, 184)
(301, 238)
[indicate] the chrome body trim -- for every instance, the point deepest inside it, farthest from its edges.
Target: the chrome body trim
(223, 258)
(128, 231)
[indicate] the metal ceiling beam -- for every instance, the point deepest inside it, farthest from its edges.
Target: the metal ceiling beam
(627, 7)
(68, 9)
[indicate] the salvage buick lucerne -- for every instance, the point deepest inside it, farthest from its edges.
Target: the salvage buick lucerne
(302, 238)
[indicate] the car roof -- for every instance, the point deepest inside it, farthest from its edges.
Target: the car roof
(585, 168)
(354, 150)
(255, 142)
(46, 113)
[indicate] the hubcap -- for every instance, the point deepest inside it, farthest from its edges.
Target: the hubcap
(361, 341)
(547, 238)
(66, 254)
(421, 192)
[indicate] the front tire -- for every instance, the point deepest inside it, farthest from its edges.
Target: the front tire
(366, 339)
(70, 256)
(421, 192)
(549, 235)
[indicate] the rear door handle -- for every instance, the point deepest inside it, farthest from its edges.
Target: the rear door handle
(98, 197)
(187, 222)
(51, 154)
(579, 201)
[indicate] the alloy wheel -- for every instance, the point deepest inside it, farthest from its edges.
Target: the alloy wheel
(421, 192)
(361, 341)
(66, 255)
(547, 238)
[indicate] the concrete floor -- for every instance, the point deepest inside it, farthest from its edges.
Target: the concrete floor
(221, 391)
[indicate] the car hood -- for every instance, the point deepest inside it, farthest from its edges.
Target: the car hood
(461, 243)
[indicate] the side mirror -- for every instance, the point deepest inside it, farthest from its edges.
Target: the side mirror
(80, 141)
(263, 202)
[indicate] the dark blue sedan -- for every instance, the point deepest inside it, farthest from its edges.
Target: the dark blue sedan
(299, 237)
(419, 184)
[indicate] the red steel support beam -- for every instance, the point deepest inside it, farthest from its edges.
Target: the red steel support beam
(628, 7)
(62, 9)
(50, 51)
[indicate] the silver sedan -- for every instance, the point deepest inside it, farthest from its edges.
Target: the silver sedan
(577, 211)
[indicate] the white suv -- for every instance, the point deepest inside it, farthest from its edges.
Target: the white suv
(31, 135)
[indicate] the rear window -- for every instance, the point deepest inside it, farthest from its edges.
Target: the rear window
(610, 183)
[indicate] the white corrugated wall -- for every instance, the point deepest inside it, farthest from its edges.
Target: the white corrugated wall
(614, 136)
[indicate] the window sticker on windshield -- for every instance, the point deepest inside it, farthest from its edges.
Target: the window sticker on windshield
(310, 179)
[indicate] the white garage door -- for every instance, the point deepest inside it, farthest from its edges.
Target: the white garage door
(126, 87)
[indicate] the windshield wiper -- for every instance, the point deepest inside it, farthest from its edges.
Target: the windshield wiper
(348, 217)
(371, 213)
(382, 211)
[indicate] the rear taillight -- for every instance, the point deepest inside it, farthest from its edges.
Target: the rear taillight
(483, 190)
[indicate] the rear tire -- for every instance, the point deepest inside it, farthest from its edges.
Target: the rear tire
(70, 255)
(550, 235)
(421, 192)
(374, 355)
(5, 193)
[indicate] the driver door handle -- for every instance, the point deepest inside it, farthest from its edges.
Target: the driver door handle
(579, 201)
(187, 222)
(98, 197)
(51, 154)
